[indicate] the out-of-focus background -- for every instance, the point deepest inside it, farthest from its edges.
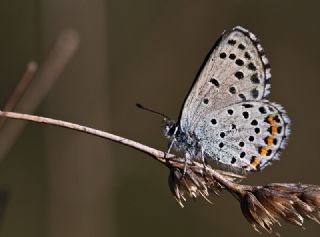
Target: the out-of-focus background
(62, 183)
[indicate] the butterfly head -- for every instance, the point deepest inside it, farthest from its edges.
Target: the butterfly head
(170, 128)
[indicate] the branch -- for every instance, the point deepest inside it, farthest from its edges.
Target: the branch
(59, 56)
(20, 89)
(261, 205)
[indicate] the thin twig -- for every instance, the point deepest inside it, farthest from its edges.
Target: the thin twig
(20, 89)
(83, 129)
(60, 55)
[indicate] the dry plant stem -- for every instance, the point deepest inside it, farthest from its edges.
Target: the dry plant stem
(20, 89)
(59, 56)
(158, 155)
(84, 129)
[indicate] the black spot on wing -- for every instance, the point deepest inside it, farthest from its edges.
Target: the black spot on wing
(251, 67)
(247, 106)
(241, 46)
(247, 55)
(242, 96)
(231, 42)
(215, 82)
(232, 90)
(239, 62)
(232, 56)
(255, 79)
(239, 75)
(223, 55)
(255, 93)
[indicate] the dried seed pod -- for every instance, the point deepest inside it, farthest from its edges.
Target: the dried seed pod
(279, 204)
(292, 202)
(189, 183)
(256, 213)
(195, 181)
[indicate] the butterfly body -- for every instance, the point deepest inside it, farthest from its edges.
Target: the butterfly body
(225, 117)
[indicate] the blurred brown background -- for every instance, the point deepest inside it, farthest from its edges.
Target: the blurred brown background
(62, 183)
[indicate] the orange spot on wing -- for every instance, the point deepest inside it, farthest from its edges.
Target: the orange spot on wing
(255, 161)
(270, 141)
(271, 120)
(263, 151)
(274, 130)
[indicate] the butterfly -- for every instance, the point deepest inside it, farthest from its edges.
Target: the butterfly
(225, 116)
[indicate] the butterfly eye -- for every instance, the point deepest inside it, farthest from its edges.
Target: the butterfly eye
(172, 129)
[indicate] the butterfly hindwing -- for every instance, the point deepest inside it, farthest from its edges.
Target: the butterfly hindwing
(247, 135)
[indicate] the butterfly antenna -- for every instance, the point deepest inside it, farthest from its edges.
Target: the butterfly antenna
(140, 106)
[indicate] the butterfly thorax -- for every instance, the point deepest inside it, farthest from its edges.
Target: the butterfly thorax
(181, 141)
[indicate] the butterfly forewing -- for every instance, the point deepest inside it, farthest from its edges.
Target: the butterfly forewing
(237, 70)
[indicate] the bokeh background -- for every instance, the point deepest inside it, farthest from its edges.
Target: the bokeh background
(62, 183)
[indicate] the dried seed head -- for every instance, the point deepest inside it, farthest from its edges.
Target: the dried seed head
(311, 195)
(280, 204)
(256, 213)
(263, 206)
(190, 184)
(306, 198)
(196, 181)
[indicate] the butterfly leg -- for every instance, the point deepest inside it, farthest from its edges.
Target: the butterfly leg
(203, 160)
(202, 157)
(186, 157)
(171, 143)
(170, 146)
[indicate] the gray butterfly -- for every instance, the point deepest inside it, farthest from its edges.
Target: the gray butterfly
(225, 117)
